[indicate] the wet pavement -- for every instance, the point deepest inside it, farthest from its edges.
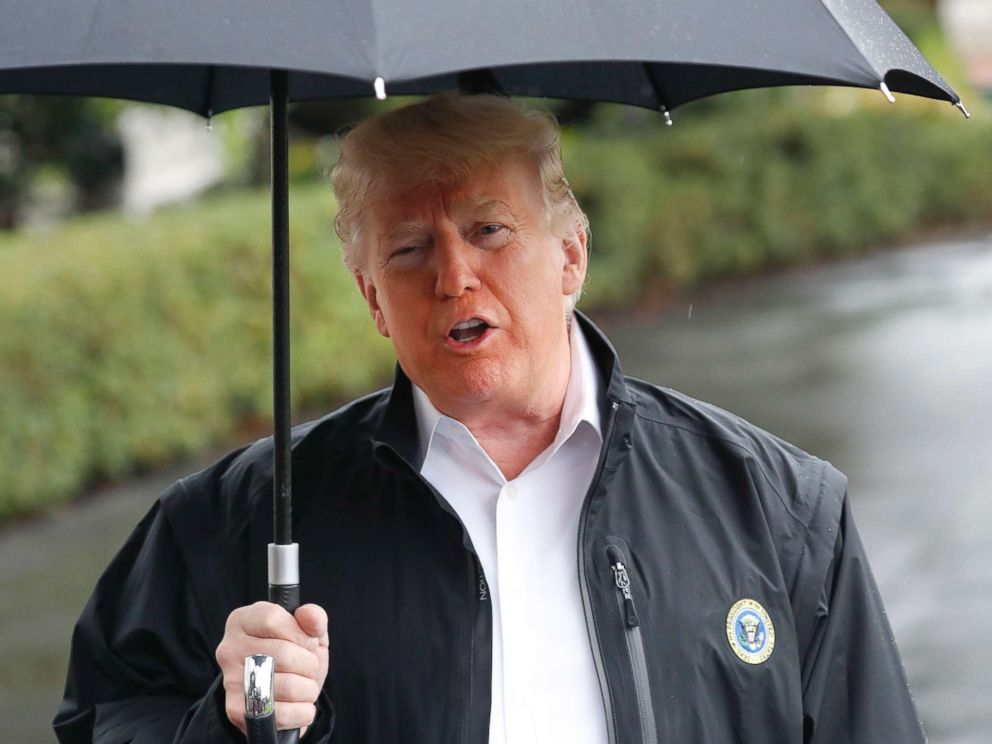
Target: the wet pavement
(882, 366)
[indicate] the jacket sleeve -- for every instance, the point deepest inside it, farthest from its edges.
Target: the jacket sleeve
(854, 685)
(141, 665)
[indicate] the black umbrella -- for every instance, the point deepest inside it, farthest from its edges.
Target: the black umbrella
(209, 57)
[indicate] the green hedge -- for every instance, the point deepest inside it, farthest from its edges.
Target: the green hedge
(766, 185)
(128, 344)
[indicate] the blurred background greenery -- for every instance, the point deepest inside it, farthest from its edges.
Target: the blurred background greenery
(131, 339)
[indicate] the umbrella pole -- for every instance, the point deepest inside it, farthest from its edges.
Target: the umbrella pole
(284, 584)
(283, 552)
(284, 572)
(282, 504)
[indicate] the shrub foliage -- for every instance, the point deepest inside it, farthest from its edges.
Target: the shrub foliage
(764, 185)
(126, 345)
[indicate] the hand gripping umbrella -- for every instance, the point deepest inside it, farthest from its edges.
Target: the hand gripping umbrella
(209, 57)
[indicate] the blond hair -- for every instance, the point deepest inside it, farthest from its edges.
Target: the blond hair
(443, 139)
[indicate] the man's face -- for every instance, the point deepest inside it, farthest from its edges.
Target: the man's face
(469, 282)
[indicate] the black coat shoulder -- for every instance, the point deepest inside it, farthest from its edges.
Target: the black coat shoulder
(227, 494)
(803, 483)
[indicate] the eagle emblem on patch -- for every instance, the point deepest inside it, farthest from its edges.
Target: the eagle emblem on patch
(750, 631)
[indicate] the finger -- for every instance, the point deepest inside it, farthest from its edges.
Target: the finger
(312, 620)
(234, 707)
(267, 620)
(289, 657)
(294, 715)
(322, 663)
(295, 688)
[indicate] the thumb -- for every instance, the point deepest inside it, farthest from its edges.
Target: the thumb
(313, 621)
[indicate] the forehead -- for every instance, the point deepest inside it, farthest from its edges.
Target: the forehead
(511, 184)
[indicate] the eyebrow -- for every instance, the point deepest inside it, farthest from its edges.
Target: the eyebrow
(484, 204)
(405, 229)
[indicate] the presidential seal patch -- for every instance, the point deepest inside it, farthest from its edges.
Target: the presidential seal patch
(750, 631)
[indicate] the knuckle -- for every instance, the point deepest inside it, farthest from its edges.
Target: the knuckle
(270, 617)
(234, 619)
(229, 655)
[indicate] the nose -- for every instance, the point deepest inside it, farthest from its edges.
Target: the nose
(455, 267)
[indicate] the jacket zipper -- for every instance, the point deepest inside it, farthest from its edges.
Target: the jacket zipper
(597, 651)
(635, 645)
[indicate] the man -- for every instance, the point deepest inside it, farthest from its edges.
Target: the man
(514, 543)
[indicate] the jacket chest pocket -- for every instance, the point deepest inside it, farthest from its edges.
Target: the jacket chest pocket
(691, 659)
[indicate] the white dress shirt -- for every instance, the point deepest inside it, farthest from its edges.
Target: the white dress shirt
(525, 531)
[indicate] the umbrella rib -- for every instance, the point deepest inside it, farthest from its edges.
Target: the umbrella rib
(659, 89)
(879, 74)
(208, 98)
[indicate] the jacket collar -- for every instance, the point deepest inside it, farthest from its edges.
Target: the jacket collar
(607, 361)
(397, 429)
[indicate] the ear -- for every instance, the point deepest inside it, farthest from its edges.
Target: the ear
(367, 288)
(573, 244)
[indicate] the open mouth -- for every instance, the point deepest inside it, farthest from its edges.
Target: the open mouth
(468, 330)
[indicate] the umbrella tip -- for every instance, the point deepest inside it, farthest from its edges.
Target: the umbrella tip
(960, 106)
(379, 85)
(887, 93)
(668, 117)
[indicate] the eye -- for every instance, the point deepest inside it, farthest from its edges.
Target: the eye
(406, 250)
(492, 235)
(405, 257)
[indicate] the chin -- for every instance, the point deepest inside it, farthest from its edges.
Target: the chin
(476, 382)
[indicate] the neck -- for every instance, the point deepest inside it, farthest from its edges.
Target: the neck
(513, 445)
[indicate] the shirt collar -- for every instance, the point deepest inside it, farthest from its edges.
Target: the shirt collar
(427, 420)
(581, 402)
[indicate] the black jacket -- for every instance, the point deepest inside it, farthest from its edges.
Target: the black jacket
(701, 509)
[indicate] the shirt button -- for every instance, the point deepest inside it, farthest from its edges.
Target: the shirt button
(510, 491)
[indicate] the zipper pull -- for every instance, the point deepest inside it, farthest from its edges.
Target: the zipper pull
(622, 580)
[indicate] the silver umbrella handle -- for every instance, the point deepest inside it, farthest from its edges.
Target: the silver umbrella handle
(260, 707)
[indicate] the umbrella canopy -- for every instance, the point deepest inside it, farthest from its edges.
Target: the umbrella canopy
(214, 56)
